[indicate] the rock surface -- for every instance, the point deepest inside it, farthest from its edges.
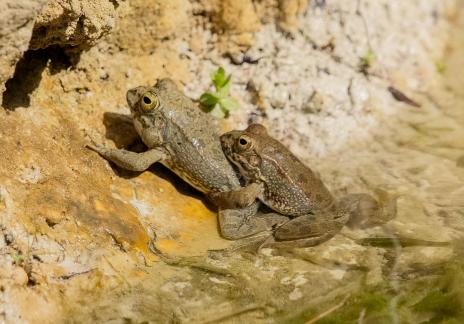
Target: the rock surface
(75, 230)
(73, 23)
(16, 23)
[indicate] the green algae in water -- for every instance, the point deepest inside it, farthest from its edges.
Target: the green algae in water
(445, 303)
(374, 304)
(437, 298)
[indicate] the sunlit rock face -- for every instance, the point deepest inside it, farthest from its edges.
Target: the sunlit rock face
(16, 24)
(76, 231)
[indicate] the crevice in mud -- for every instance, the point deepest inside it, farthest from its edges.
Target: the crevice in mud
(114, 3)
(28, 74)
(51, 223)
(31, 282)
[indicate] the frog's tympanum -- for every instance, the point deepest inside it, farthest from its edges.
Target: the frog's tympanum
(184, 138)
(277, 178)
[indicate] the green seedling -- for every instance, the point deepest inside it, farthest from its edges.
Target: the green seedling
(219, 103)
(366, 61)
(441, 67)
(18, 259)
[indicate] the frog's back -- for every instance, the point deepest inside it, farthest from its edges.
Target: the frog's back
(293, 188)
(182, 111)
(192, 138)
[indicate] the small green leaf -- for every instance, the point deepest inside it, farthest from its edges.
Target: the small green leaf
(229, 104)
(209, 100)
(17, 259)
(224, 91)
(218, 112)
(369, 58)
(219, 103)
(219, 78)
(441, 67)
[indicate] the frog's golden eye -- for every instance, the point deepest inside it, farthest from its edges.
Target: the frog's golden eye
(244, 143)
(149, 101)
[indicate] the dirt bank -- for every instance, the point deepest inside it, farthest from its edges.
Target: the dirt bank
(75, 230)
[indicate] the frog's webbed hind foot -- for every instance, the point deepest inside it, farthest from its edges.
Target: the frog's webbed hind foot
(250, 245)
(273, 243)
(237, 224)
(247, 227)
(307, 230)
(366, 211)
(194, 262)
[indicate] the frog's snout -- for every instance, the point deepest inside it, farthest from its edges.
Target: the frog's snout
(225, 140)
(132, 96)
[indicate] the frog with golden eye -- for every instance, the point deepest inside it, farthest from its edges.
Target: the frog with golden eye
(277, 178)
(186, 140)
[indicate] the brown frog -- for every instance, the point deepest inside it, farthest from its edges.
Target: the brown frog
(277, 178)
(185, 139)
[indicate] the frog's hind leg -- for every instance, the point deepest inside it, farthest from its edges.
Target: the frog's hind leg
(271, 242)
(240, 223)
(300, 232)
(308, 230)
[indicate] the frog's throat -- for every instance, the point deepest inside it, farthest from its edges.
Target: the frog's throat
(246, 170)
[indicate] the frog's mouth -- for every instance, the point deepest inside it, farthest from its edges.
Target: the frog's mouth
(226, 143)
(245, 170)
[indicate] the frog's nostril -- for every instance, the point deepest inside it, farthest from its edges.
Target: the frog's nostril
(131, 96)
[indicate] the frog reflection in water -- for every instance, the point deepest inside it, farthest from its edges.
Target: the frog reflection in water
(277, 178)
(183, 138)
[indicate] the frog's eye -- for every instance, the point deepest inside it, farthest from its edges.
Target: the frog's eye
(149, 101)
(244, 143)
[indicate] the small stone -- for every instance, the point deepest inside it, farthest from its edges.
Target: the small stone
(295, 294)
(460, 162)
(19, 276)
(315, 103)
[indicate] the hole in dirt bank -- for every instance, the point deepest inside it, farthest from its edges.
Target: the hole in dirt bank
(31, 282)
(28, 74)
(115, 4)
(51, 223)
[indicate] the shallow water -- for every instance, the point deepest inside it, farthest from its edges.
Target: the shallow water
(420, 154)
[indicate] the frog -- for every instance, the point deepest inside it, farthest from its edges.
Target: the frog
(274, 176)
(185, 139)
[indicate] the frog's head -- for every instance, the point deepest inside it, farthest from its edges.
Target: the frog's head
(143, 101)
(243, 149)
(146, 101)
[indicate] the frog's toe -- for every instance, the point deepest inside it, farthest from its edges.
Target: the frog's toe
(96, 148)
(93, 148)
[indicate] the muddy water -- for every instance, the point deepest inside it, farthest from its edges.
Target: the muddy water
(410, 270)
(407, 271)
(418, 155)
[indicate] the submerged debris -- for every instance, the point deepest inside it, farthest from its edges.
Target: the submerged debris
(460, 162)
(390, 242)
(400, 96)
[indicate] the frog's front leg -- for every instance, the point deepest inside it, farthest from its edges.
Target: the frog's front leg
(241, 223)
(236, 199)
(129, 160)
